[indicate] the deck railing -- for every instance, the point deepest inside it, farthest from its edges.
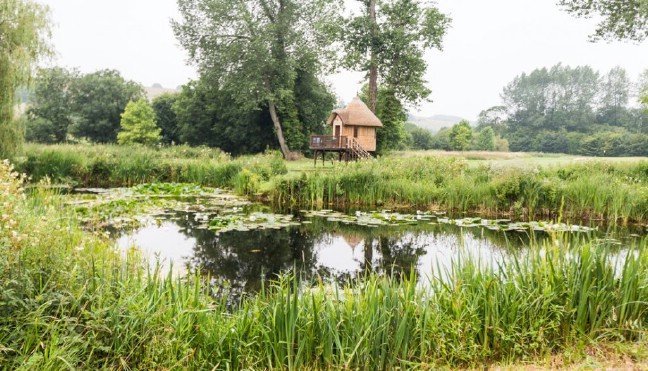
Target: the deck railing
(328, 142)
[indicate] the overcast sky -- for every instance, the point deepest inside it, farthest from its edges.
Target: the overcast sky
(490, 42)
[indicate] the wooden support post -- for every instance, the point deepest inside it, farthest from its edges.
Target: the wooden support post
(315, 158)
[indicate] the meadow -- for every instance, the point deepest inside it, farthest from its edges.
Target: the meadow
(516, 185)
(82, 305)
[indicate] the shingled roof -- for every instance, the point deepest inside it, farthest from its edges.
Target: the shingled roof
(355, 114)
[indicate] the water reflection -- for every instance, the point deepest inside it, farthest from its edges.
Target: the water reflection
(331, 250)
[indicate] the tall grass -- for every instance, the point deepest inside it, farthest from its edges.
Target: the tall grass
(595, 190)
(67, 300)
(592, 190)
(117, 166)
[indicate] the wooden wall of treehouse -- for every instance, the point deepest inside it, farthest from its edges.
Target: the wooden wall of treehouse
(364, 135)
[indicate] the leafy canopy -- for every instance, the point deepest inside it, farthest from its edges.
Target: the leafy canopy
(620, 19)
(138, 124)
(50, 113)
(99, 100)
(255, 51)
(166, 117)
(403, 31)
(24, 34)
(461, 136)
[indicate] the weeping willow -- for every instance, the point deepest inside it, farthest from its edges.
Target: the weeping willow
(24, 35)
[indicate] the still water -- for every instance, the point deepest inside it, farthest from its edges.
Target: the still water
(317, 246)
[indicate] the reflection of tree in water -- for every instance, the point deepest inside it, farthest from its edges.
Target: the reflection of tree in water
(245, 258)
(399, 256)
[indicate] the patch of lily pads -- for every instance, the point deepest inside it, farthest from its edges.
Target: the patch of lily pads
(389, 218)
(507, 225)
(125, 208)
(247, 222)
(371, 218)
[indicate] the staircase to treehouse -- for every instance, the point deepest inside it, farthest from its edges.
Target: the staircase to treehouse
(356, 151)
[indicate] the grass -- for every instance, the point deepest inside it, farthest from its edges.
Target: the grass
(68, 301)
(492, 184)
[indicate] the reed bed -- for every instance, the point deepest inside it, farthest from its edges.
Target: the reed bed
(590, 190)
(600, 190)
(68, 301)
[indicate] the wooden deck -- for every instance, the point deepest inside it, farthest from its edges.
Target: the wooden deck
(346, 147)
(329, 142)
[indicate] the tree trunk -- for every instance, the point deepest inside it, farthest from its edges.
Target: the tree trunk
(373, 63)
(277, 125)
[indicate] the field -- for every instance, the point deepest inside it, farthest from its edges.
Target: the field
(562, 303)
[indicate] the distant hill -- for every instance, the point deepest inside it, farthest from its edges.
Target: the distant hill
(156, 90)
(434, 123)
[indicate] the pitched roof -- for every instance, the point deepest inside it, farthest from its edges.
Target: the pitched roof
(355, 114)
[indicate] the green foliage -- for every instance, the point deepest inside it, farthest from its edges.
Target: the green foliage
(293, 36)
(209, 116)
(395, 44)
(24, 33)
(99, 100)
(138, 124)
(50, 112)
(485, 140)
(461, 136)
(392, 114)
(421, 138)
(166, 117)
(569, 110)
(619, 20)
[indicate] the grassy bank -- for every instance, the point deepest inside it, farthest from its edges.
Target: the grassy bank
(589, 189)
(67, 300)
(118, 166)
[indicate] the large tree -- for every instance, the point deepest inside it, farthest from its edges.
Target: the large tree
(619, 19)
(207, 116)
(24, 31)
(99, 100)
(387, 40)
(50, 112)
(253, 50)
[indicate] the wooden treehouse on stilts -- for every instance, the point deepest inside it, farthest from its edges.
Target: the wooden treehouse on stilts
(354, 133)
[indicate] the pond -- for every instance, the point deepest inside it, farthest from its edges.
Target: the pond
(240, 244)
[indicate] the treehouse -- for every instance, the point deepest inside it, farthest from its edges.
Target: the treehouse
(354, 133)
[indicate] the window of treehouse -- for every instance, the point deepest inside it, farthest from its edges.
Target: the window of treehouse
(355, 131)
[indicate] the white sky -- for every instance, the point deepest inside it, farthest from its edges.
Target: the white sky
(490, 42)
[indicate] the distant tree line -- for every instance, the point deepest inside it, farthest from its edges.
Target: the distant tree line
(561, 110)
(103, 107)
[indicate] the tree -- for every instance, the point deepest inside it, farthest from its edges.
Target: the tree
(24, 33)
(392, 114)
(494, 117)
(253, 50)
(50, 112)
(209, 116)
(485, 140)
(621, 19)
(421, 138)
(388, 40)
(138, 124)
(461, 136)
(99, 98)
(166, 117)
